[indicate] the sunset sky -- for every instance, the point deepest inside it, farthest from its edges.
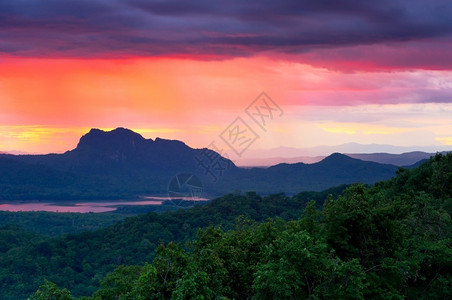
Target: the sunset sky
(341, 71)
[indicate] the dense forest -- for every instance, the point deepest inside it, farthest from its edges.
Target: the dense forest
(55, 223)
(80, 261)
(391, 240)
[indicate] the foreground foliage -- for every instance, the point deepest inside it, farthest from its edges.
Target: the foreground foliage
(79, 261)
(389, 241)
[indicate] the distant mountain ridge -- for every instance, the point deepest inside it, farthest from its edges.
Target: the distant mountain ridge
(342, 148)
(334, 170)
(122, 164)
(401, 160)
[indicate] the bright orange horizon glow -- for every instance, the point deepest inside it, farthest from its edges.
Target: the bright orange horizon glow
(47, 104)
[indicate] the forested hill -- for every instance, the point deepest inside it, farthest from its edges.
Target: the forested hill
(389, 241)
(79, 261)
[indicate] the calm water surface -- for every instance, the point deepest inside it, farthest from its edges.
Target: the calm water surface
(82, 207)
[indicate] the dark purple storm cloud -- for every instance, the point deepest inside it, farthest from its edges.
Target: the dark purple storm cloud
(214, 29)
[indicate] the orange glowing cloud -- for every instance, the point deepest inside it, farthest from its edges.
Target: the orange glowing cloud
(78, 92)
(48, 103)
(166, 96)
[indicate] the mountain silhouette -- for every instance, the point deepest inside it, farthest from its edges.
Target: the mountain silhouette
(334, 170)
(122, 151)
(122, 164)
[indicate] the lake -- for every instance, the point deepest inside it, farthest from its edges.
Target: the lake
(82, 206)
